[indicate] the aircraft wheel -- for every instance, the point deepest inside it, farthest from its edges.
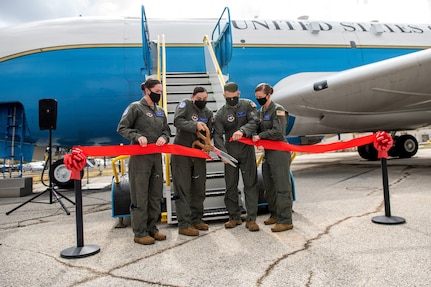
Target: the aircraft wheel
(368, 152)
(60, 175)
(406, 146)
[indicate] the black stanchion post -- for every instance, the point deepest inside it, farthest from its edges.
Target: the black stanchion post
(388, 218)
(80, 250)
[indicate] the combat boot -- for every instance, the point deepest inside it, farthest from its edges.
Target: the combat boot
(146, 240)
(281, 227)
(201, 226)
(233, 223)
(270, 221)
(252, 226)
(159, 236)
(189, 231)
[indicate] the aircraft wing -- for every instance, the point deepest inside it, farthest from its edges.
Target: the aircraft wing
(391, 95)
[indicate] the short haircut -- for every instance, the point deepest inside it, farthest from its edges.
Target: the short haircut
(230, 87)
(199, 90)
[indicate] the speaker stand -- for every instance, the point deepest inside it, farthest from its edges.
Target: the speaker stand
(50, 189)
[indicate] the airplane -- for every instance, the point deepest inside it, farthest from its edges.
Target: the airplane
(332, 77)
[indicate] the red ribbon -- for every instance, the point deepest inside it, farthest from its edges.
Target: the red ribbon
(383, 142)
(116, 150)
(75, 162)
(318, 148)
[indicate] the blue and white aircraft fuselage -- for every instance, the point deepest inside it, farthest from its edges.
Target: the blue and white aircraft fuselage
(332, 77)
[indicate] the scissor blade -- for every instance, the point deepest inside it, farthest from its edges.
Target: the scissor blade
(230, 159)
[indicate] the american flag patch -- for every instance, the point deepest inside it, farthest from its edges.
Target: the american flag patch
(280, 113)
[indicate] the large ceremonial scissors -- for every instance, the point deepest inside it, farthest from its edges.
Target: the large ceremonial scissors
(207, 147)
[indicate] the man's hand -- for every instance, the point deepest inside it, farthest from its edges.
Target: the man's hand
(237, 135)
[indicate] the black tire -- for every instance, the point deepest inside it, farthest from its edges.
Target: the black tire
(368, 152)
(60, 175)
(406, 146)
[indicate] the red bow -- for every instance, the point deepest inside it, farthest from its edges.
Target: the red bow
(383, 142)
(75, 162)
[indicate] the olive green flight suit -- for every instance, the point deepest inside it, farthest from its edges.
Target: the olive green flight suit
(145, 171)
(189, 173)
(228, 120)
(276, 164)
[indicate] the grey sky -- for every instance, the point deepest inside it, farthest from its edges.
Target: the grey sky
(402, 11)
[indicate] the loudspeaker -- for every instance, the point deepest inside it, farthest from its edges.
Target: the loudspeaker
(47, 114)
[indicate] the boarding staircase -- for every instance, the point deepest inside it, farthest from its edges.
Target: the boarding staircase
(218, 53)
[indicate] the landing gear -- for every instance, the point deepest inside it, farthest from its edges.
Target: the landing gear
(405, 146)
(60, 175)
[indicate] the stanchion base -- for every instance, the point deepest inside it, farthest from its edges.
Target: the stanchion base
(388, 219)
(79, 252)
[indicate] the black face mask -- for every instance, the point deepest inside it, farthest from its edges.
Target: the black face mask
(232, 101)
(200, 104)
(262, 101)
(155, 97)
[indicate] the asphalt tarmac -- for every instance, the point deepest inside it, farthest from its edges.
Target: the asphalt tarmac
(334, 241)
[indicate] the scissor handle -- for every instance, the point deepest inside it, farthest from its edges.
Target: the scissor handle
(206, 146)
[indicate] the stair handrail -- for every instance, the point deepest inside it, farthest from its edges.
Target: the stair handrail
(223, 43)
(161, 76)
(146, 51)
(120, 158)
(211, 63)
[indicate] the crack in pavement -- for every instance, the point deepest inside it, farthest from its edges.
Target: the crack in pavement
(309, 242)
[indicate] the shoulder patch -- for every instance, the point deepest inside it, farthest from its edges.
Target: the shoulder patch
(125, 111)
(252, 104)
(182, 105)
(280, 113)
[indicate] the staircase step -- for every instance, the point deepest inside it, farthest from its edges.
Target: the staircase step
(213, 192)
(186, 88)
(182, 75)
